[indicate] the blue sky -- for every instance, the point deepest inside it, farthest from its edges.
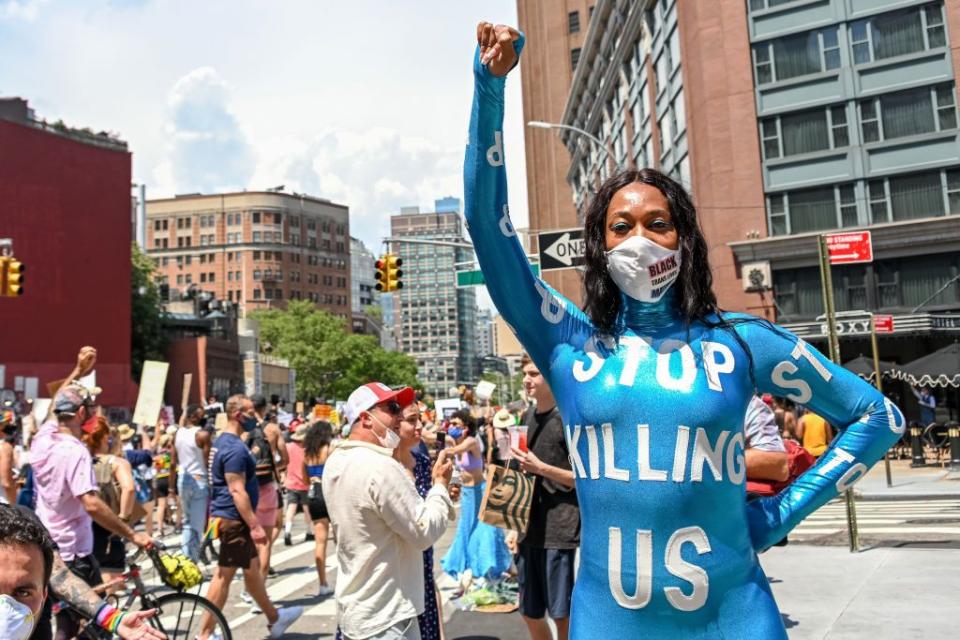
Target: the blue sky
(365, 102)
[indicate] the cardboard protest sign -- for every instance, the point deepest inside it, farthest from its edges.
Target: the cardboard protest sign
(185, 396)
(484, 389)
(150, 400)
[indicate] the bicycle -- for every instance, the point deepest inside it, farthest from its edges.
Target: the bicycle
(179, 612)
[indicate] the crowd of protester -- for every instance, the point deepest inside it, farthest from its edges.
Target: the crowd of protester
(390, 475)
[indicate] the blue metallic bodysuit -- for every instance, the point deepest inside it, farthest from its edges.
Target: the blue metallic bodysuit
(654, 423)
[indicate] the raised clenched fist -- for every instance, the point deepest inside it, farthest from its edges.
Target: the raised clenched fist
(496, 47)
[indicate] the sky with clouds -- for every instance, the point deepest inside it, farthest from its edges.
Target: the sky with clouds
(364, 102)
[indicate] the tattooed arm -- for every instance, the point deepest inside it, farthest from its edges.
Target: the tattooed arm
(75, 592)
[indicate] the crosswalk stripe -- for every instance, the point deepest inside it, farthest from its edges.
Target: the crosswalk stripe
(954, 531)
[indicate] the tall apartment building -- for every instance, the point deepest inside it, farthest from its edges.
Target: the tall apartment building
(256, 249)
(555, 31)
(363, 292)
(484, 333)
(788, 118)
(436, 322)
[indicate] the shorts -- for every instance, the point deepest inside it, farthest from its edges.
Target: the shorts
(298, 498)
(546, 581)
(268, 505)
(236, 545)
(162, 486)
(317, 507)
(108, 549)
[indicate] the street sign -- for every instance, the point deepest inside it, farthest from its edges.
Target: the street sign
(561, 249)
(474, 278)
(850, 248)
(883, 323)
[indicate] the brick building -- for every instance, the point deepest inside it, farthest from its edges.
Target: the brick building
(256, 249)
(555, 31)
(65, 205)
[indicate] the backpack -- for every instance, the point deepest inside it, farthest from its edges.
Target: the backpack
(798, 461)
(107, 485)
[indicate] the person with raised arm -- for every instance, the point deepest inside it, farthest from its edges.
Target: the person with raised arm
(653, 380)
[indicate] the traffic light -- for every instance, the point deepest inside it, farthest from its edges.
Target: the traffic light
(381, 274)
(12, 276)
(393, 272)
(388, 273)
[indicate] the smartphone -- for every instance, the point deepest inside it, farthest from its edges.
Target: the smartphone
(441, 442)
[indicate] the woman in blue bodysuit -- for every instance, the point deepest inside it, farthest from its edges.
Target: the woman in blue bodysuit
(653, 382)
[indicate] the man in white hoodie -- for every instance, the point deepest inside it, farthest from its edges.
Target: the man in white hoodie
(381, 523)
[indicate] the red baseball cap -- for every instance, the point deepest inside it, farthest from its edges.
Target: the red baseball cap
(371, 394)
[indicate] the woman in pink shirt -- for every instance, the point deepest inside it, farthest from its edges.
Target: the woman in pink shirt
(296, 485)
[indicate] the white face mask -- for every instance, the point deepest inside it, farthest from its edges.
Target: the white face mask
(16, 619)
(389, 441)
(643, 269)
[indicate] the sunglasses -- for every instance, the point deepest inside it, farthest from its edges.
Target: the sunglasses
(392, 407)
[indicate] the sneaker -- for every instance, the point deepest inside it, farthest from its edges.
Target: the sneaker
(246, 597)
(286, 616)
(309, 537)
(272, 573)
(255, 609)
(287, 540)
(324, 590)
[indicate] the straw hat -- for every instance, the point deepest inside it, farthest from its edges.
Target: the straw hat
(125, 432)
(301, 433)
(503, 419)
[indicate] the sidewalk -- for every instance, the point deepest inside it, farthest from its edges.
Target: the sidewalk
(823, 592)
(828, 592)
(908, 483)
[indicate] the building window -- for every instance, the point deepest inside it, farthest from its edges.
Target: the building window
(759, 5)
(256, 236)
(211, 277)
(256, 294)
(255, 216)
(897, 33)
(796, 55)
(908, 113)
(804, 132)
(573, 22)
(816, 209)
(574, 58)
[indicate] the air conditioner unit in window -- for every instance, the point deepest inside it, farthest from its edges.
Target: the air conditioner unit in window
(756, 276)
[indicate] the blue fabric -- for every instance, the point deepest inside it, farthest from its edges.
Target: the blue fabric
(194, 495)
(654, 423)
(230, 455)
(477, 545)
(27, 496)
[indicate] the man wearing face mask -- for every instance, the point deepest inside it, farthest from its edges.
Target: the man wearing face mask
(234, 494)
(381, 523)
(67, 496)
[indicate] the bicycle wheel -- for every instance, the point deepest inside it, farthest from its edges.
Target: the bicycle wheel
(181, 614)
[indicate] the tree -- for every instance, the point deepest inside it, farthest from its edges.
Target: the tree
(330, 362)
(147, 339)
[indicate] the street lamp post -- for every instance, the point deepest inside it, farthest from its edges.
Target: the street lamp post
(537, 124)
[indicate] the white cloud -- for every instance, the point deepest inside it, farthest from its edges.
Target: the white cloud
(374, 172)
(206, 148)
(21, 9)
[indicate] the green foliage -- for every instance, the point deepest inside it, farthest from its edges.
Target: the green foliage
(148, 341)
(330, 362)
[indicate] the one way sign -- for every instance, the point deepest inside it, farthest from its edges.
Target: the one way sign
(561, 249)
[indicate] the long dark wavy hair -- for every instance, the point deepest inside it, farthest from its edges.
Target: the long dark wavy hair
(319, 436)
(694, 283)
